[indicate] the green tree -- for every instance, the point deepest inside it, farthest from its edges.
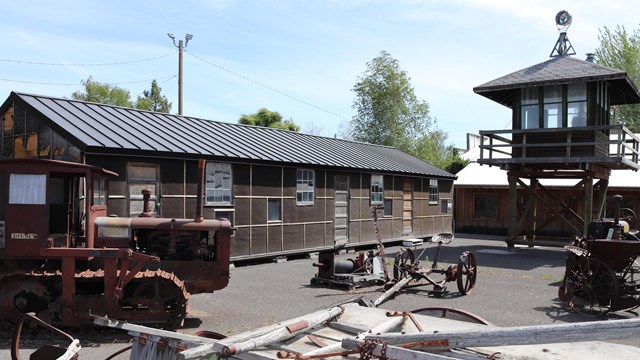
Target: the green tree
(267, 118)
(389, 113)
(153, 100)
(456, 163)
(621, 50)
(103, 93)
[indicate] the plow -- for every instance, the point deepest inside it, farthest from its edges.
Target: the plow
(371, 268)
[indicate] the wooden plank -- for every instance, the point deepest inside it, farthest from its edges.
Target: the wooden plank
(247, 343)
(387, 294)
(380, 328)
(394, 352)
(521, 335)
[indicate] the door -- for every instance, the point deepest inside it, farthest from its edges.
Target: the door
(341, 210)
(407, 206)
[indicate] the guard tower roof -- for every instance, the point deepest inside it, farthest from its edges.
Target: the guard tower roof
(561, 70)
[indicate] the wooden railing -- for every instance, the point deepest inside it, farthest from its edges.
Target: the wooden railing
(612, 144)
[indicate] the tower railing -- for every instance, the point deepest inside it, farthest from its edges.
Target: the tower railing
(613, 146)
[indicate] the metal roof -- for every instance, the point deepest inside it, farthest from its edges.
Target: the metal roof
(99, 128)
(561, 70)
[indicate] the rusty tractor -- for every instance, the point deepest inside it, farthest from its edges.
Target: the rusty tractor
(63, 258)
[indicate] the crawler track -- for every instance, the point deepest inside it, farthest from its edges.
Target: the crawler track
(152, 297)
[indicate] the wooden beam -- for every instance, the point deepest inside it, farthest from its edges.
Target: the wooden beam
(588, 204)
(521, 335)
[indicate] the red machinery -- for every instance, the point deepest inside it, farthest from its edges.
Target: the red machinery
(603, 268)
(63, 258)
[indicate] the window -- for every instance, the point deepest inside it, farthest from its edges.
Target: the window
(388, 207)
(273, 210)
(553, 106)
(530, 109)
(305, 187)
(577, 104)
(218, 184)
(434, 194)
(141, 177)
(377, 190)
(485, 206)
(99, 191)
(444, 206)
(224, 214)
(28, 189)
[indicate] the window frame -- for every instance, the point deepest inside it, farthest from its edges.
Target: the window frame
(387, 207)
(537, 101)
(153, 184)
(489, 198)
(376, 195)
(305, 187)
(28, 189)
(434, 192)
(278, 203)
(226, 178)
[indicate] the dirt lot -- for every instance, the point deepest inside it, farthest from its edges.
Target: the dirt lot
(514, 288)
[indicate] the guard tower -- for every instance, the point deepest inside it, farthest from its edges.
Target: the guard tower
(561, 129)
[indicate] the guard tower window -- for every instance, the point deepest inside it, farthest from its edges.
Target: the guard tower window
(577, 105)
(530, 109)
(554, 106)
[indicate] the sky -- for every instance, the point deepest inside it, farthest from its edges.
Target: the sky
(299, 58)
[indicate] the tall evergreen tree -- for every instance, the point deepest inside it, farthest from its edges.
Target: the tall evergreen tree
(153, 100)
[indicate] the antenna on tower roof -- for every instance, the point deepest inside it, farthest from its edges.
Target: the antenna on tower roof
(563, 45)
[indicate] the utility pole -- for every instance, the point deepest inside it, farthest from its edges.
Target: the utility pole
(181, 46)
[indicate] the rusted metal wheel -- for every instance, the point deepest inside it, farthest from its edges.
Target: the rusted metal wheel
(467, 272)
(159, 296)
(594, 286)
(630, 279)
(403, 264)
(22, 294)
(452, 313)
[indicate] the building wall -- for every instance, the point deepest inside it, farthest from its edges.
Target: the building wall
(302, 228)
(468, 221)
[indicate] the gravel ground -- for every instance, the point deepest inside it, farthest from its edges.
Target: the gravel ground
(514, 288)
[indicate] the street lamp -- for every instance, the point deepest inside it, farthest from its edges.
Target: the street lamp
(181, 45)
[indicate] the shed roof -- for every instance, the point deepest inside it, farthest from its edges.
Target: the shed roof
(561, 70)
(99, 128)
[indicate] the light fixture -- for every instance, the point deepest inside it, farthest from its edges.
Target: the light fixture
(171, 36)
(563, 19)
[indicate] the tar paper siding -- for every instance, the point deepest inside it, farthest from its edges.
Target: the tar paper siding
(303, 228)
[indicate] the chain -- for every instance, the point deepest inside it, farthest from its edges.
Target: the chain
(366, 349)
(374, 210)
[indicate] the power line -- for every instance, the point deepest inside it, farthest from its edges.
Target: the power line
(267, 86)
(80, 65)
(166, 78)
